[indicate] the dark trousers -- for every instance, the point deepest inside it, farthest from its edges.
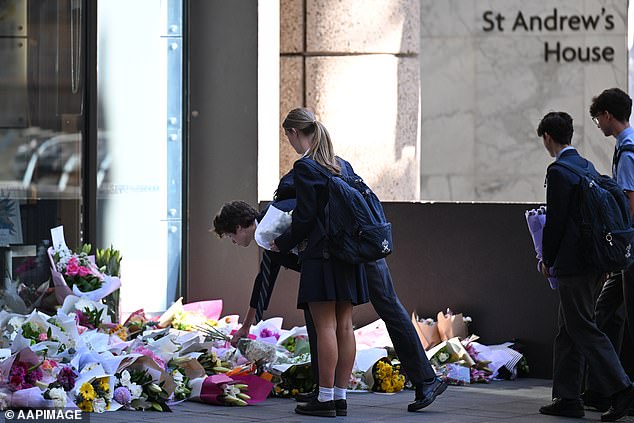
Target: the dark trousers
(579, 342)
(397, 321)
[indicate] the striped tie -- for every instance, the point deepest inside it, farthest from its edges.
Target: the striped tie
(265, 271)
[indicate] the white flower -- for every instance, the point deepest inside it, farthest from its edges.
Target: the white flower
(443, 356)
(135, 391)
(84, 303)
(231, 390)
(4, 401)
(99, 405)
(58, 395)
(125, 379)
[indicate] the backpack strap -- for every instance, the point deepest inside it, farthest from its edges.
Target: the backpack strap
(324, 227)
(617, 156)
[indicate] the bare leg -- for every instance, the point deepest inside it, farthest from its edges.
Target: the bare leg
(346, 344)
(324, 317)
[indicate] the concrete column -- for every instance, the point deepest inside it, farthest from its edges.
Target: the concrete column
(355, 63)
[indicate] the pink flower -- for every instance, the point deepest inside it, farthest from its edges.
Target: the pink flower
(42, 337)
(158, 360)
(83, 271)
(72, 268)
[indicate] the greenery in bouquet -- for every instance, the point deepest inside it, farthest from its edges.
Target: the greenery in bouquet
(443, 356)
(135, 389)
(109, 263)
(182, 391)
(77, 269)
(36, 334)
(296, 379)
(387, 376)
(297, 345)
(212, 364)
(94, 396)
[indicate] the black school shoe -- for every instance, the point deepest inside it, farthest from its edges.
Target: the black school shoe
(317, 408)
(307, 396)
(426, 394)
(564, 408)
(341, 407)
(621, 404)
(595, 400)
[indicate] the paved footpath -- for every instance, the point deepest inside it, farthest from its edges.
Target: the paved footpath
(515, 401)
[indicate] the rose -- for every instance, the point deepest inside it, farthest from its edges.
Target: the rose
(83, 271)
(72, 268)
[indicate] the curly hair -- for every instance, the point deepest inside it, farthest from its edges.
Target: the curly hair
(232, 215)
(614, 101)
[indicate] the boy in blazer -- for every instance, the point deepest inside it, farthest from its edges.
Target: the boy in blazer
(578, 340)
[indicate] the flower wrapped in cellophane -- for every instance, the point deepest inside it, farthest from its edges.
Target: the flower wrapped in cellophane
(274, 223)
(75, 273)
(93, 389)
(221, 389)
(386, 376)
(143, 384)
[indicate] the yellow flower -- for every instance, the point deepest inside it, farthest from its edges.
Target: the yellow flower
(85, 405)
(87, 392)
(104, 384)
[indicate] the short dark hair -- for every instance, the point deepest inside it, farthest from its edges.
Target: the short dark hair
(614, 101)
(558, 125)
(232, 215)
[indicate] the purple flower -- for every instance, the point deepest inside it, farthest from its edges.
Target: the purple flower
(66, 377)
(122, 395)
(266, 333)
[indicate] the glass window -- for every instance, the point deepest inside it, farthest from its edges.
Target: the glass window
(139, 118)
(41, 121)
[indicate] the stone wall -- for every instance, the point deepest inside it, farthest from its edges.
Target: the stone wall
(488, 77)
(356, 64)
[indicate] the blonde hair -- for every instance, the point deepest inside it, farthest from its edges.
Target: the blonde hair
(321, 149)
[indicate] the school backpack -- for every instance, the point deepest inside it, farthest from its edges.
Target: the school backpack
(605, 228)
(355, 226)
(617, 156)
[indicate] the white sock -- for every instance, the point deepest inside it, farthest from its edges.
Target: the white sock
(325, 394)
(340, 393)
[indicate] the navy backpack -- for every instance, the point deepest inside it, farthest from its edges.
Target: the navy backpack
(355, 226)
(605, 227)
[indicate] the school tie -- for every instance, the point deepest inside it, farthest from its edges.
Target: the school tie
(265, 272)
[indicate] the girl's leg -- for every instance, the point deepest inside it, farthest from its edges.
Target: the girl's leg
(324, 318)
(346, 344)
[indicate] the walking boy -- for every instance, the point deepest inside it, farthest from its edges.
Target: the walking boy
(611, 111)
(578, 337)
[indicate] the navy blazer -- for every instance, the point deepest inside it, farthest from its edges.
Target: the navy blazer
(312, 195)
(561, 247)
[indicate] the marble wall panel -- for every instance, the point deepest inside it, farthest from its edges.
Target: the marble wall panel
(496, 85)
(370, 105)
(362, 26)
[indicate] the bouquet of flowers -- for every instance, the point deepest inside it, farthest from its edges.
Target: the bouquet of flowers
(274, 223)
(296, 379)
(387, 376)
(94, 395)
(109, 263)
(136, 389)
(225, 390)
(76, 272)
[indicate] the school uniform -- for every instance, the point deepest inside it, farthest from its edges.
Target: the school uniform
(381, 293)
(321, 279)
(578, 340)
